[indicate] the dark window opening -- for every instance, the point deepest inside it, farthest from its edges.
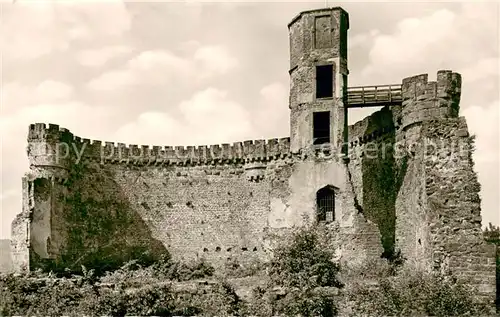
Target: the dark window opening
(325, 204)
(321, 127)
(324, 81)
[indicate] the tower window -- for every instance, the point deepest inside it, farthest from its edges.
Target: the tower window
(324, 81)
(321, 127)
(325, 204)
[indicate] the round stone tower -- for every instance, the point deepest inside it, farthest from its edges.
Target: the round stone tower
(318, 78)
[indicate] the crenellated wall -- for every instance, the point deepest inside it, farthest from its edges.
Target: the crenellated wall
(214, 202)
(45, 142)
(205, 201)
(407, 188)
(427, 100)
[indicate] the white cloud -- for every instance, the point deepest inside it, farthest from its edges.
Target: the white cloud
(112, 80)
(99, 57)
(51, 90)
(22, 40)
(89, 19)
(149, 67)
(150, 60)
(483, 68)
(189, 47)
(160, 67)
(208, 117)
(32, 29)
(272, 117)
(441, 40)
(362, 39)
(8, 193)
(484, 122)
(410, 48)
(215, 60)
(16, 96)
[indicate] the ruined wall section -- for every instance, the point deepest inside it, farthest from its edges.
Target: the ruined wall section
(31, 238)
(114, 201)
(375, 172)
(20, 230)
(206, 211)
(210, 202)
(492, 235)
(438, 207)
(423, 101)
(453, 203)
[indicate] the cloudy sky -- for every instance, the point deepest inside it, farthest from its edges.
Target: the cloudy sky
(208, 73)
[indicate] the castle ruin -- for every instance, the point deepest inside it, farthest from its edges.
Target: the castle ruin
(400, 180)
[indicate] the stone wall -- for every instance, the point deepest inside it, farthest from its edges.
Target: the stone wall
(376, 172)
(492, 235)
(453, 203)
(208, 211)
(409, 186)
(109, 202)
(219, 203)
(317, 38)
(412, 175)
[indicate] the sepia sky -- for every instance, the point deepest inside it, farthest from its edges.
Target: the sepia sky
(191, 73)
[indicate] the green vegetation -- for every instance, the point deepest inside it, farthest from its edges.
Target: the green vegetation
(131, 290)
(414, 293)
(301, 280)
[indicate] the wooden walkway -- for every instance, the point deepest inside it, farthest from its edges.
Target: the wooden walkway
(374, 96)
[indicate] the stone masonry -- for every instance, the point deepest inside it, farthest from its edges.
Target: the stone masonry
(405, 185)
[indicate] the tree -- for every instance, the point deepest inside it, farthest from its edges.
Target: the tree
(302, 277)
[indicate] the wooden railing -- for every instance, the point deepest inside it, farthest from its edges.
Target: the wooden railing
(372, 96)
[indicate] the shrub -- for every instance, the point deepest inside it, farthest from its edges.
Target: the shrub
(131, 290)
(306, 262)
(302, 275)
(415, 293)
(233, 268)
(133, 274)
(25, 295)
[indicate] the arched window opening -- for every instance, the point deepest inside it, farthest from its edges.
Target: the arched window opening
(325, 204)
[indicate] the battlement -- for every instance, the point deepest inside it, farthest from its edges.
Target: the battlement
(40, 132)
(430, 100)
(61, 141)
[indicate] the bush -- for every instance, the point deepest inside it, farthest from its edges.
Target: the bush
(306, 262)
(133, 274)
(302, 276)
(131, 290)
(24, 295)
(235, 269)
(415, 293)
